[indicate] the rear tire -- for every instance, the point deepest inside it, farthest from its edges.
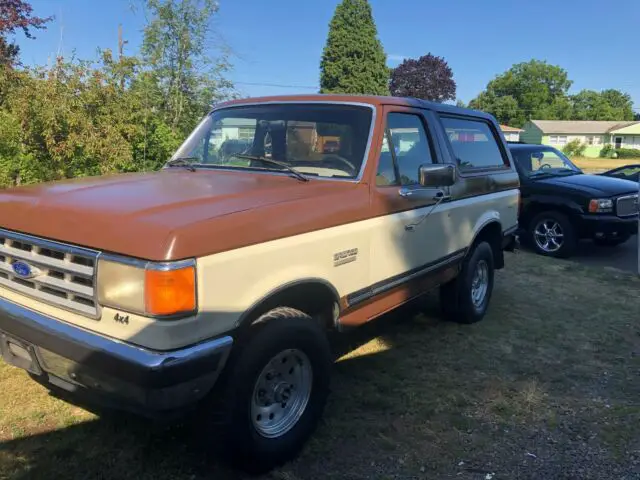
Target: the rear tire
(465, 299)
(258, 388)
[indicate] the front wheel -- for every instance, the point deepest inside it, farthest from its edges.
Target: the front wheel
(466, 298)
(277, 390)
(551, 234)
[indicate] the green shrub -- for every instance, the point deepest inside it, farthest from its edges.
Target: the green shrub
(628, 153)
(574, 148)
(607, 151)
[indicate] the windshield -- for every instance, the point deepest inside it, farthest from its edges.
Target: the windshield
(534, 163)
(318, 140)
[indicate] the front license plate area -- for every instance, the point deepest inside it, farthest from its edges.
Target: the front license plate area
(19, 354)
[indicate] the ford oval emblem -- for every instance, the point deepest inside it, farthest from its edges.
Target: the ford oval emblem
(24, 270)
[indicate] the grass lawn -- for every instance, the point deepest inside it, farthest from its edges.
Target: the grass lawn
(546, 387)
(597, 165)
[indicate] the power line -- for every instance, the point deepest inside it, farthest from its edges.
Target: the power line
(277, 85)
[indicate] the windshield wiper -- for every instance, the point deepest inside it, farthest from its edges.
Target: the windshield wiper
(283, 165)
(540, 173)
(186, 162)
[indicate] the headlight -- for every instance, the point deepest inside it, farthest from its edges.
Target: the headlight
(151, 289)
(601, 205)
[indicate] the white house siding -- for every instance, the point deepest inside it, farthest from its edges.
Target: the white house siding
(628, 141)
(512, 136)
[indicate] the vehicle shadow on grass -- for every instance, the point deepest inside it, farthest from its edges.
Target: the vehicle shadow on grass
(121, 445)
(622, 257)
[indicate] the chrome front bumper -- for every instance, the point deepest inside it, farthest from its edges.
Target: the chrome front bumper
(78, 361)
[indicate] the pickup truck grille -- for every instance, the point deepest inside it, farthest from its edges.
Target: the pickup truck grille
(627, 206)
(60, 275)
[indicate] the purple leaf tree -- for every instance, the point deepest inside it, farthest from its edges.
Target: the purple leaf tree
(428, 77)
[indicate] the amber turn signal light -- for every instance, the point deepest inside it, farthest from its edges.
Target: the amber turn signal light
(169, 292)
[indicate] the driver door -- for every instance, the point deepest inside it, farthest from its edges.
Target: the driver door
(411, 229)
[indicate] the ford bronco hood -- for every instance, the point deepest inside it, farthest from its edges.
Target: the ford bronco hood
(163, 215)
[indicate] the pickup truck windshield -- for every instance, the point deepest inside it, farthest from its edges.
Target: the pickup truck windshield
(536, 162)
(314, 139)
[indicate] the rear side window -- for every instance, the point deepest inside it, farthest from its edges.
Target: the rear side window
(474, 143)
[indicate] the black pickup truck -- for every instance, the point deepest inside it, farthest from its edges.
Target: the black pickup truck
(560, 204)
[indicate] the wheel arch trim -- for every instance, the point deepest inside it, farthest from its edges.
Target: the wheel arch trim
(249, 314)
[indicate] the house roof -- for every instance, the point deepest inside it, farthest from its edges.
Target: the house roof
(507, 128)
(579, 126)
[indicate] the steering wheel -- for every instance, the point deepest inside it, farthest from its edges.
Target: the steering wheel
(342, 160)
(544, 165)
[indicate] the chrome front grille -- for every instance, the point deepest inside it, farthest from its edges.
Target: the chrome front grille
(60, 274)
(627, 206)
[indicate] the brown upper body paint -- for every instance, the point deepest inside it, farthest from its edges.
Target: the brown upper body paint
(175, 214)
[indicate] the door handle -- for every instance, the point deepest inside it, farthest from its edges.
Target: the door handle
(443, 197)
(440, 195)
(405, 192)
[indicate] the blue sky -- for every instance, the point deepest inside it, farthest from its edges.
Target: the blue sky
(280, 42)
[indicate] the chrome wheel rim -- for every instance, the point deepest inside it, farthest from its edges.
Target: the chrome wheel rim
(281, 393)
(480, 283)
(548, 235)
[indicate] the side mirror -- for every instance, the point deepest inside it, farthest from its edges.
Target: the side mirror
(438, 175)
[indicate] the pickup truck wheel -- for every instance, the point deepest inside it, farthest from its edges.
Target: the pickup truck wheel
(276, 390)
(551, 234)
(466, 298)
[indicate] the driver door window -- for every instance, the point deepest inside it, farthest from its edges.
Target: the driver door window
(405, 147)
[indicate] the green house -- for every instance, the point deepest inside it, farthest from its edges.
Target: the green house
(595, 134)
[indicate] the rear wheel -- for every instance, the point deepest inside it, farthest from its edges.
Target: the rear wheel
(551, 234)
(466, 298)
(276, 390)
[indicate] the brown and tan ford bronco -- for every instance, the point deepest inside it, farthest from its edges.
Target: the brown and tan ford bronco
(215, 280)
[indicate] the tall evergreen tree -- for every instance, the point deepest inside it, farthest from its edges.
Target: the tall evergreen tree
(353, 60)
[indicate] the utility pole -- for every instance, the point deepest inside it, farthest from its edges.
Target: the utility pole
(121, 44)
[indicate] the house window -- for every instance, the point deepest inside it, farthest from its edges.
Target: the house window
(558, 139)
(246, 133)
(618, 142)
(590, 140)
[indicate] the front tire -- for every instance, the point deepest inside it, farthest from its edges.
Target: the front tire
(551, 234)
(276, 390)
(465, 299)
